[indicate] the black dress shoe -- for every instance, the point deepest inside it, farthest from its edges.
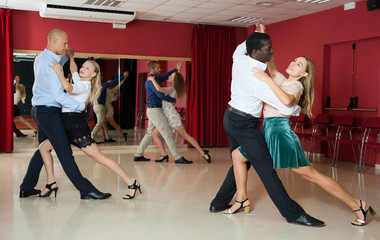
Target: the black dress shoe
(308, 220)
(183, 161)
(21, 135)
(96, 194)
(214, 209)
(141, 159)
(24, 194)
(109, 140)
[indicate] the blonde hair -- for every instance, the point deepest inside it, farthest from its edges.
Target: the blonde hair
(179, 85)
(307, 98)
(96, 87)
(21, 89)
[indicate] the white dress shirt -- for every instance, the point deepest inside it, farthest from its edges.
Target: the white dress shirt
(247, 92)
(81, 91)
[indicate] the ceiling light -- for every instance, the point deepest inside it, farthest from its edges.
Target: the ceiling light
(313, 1)
(108, 3)
(264, 4)
(246, 19)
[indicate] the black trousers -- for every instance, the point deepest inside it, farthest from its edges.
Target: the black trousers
(245, 132)
(49, 125)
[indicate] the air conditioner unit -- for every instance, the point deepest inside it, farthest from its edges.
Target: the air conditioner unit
(86, 14)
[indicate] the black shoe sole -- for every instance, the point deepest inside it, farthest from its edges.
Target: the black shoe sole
(220, 210)
(305, 225)
(88, 197)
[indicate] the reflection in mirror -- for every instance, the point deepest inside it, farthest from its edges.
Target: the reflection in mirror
(128, 98)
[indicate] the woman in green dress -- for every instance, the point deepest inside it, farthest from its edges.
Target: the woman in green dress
(283, 144)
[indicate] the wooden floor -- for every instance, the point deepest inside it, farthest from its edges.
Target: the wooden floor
(175, 200)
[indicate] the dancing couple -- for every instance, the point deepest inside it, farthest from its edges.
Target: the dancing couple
(162, 115)
(57, 130)
(250, 87)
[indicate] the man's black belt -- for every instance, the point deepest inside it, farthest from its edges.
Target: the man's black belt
(243, 114)
(154, 106)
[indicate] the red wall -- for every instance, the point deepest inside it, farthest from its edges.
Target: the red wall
(308, 35)
(147, 38)
(142, 38)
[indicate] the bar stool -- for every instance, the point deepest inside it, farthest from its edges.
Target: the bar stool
(298, 125)
(344, 136)
(370, 138)
(320, 132)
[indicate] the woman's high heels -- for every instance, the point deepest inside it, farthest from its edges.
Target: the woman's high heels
(135, 187)
(207, 156)
(246, 208)
(125, 136)
(359, 222)
(48, 186)
(35, 134)
(163, 158)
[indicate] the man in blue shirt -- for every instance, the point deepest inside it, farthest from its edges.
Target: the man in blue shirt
(100, 109)
(48, 98)
(156, 117)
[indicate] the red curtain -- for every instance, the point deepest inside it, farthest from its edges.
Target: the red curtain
(209, 85)
(6, 81)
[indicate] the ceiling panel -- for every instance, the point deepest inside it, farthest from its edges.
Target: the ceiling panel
(197, 11)
(219, 6)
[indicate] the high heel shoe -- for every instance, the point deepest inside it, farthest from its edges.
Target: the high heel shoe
(125, 136)
(135, 187)
(35, 134)
(48, 186)
(246, 208)
(207, 156)
(359, 222)
(162, 158)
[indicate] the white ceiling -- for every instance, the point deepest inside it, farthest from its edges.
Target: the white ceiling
(218, 12)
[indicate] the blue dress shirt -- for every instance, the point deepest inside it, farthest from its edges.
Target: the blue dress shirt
(155, 97)
(103, 91)
(47, 89)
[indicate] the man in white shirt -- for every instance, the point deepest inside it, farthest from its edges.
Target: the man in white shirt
(241, 122)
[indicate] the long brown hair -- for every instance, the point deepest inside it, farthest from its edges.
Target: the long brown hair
(307, 98)
(95, 82)
(179, 85)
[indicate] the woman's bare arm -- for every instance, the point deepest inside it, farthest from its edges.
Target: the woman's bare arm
(285, 98)
(58, 69)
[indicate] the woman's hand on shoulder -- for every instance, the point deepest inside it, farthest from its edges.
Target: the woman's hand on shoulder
(151, 78)
(56, 66)
(262, 76)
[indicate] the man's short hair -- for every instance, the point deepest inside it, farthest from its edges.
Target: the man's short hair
(55, 33)
(152, 64)
(255, 41)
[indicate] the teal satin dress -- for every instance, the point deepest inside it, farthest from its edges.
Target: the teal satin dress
(283, 144)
